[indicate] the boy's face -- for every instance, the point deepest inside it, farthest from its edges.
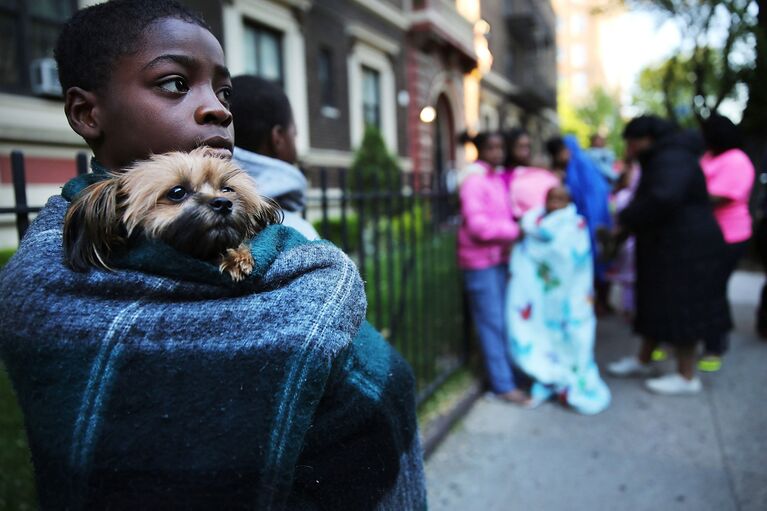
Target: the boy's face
(171, 94)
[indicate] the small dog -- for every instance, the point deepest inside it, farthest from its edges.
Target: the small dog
(198, 203)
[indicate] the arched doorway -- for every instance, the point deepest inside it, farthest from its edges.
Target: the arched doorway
(444, 139)
(444, 176)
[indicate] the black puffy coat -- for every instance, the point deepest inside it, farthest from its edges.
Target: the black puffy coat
(680, 293)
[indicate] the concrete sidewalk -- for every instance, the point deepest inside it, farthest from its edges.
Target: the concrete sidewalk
(646, 452)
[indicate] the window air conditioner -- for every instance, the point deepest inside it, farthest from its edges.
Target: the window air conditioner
(44, 77)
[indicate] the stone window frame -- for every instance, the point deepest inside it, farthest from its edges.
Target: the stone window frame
(368, 55)
(280, 18)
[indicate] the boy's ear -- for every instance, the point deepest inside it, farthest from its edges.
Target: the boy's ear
(277, 139)
(81, 109)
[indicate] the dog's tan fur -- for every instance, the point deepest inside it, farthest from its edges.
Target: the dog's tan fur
(108, 213)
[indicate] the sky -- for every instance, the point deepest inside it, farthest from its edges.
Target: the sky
(633, 41)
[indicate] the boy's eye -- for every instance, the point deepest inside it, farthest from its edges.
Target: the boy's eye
(224, 95)
(177, 193)
(226, 189)
(176, 85)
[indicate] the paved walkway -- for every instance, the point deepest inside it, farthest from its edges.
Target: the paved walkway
(646, 452)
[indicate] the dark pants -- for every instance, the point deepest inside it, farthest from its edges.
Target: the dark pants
(718, 344)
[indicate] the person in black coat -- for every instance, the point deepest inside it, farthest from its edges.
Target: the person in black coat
(679, 246)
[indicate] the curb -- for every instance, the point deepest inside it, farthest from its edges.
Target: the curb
(439, 428)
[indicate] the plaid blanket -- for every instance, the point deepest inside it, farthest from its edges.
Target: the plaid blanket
(163, 385)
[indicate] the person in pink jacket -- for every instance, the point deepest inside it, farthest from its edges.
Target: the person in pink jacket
(529, 185)
(484, 243)
(729, 179)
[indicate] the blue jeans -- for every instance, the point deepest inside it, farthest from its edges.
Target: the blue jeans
(486, 293)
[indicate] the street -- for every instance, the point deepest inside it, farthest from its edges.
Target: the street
(646, 452)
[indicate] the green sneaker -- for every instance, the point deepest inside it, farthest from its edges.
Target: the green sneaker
(710, 363)
(659, 355)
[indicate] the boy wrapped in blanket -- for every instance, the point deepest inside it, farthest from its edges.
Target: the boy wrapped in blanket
(550, 312)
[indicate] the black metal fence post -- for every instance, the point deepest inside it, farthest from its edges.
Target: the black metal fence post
(324, 189)
(82, 164)
(362, 249)
(344, 205)
(20, 192)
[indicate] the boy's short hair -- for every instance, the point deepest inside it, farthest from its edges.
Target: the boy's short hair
(95, 37)
(257, 106)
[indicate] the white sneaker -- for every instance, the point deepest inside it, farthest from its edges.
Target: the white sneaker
(629, 366)
(674, 384)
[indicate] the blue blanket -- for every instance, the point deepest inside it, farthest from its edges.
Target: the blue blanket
(164, 385)
(550, 313)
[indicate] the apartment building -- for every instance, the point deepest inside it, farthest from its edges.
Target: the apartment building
(519, 89)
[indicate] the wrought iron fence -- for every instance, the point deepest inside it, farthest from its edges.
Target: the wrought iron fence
(401, 233)
(21, 208)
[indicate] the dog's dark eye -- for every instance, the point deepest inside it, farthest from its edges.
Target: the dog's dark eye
(176, 194)
(226, 189)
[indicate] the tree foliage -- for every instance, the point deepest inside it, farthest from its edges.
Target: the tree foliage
(670, 89)
(755, 116)
(569, 120)
(600, 113)
(374, 169)
(716, 54)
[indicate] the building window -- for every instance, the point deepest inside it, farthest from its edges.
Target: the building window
(371, 97)
(578, 24)
(580, 84)
(263, 53)
(372, 94)
(28, 31)
(578, 56)
(325, 76)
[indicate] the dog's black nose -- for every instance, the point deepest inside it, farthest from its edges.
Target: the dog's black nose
(221, 205)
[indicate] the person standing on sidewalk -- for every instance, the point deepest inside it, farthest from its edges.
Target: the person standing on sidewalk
(484, 243)
(730, 178)
(679, 249)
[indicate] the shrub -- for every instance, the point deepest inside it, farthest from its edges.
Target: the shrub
(5, 255)
(374, 170)
(334, 234)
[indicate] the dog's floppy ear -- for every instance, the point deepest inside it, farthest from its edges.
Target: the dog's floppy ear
(92, 226)
(266, 212)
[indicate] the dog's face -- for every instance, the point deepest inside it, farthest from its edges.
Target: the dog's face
(197, 203)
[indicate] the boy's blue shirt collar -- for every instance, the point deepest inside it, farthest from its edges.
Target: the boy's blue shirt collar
(97, 167)
(76, 185)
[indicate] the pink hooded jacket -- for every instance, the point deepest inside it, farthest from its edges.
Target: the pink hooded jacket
(529, 188)
(488, 228)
